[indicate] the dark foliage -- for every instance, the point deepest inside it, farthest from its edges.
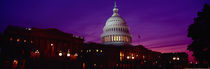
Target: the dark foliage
(199, 31)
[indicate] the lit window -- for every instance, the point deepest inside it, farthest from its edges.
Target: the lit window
(121, 54)
(18, 39)
(37, 51)
(76, 54)
(94, 64)
(125, 38)
(122, 38)
(96, 50)
(32, 42)
(24, 40)
(116, 38)
(89, 50)
(143, 56)
(105, 39)
(112, 38)
(120, 58)
(81, 50)
(119, 38)
(101, 50)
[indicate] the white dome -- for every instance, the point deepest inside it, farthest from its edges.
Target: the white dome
(116, 31)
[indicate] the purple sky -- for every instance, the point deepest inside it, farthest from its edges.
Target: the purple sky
(162, 24)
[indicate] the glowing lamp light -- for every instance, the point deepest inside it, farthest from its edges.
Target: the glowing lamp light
(128, 57)
(68, 55)
(15, 61)
(132, 57)
(51, 44)
(117, 65)
(18, 40)
(177, 58)
(76, 54)
(37, 51)
(143, 56)
(28, 28)
(60, 54)
(174, 58)
(190, 62)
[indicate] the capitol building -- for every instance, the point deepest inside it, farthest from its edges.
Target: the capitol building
(116, 32)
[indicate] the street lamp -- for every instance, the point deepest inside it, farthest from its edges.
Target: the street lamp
(128, 57)
(132, 57)
(60, 54)
(174, 58)
(68, 54)
(177, 58)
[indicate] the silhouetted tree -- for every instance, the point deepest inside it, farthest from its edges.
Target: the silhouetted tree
(199, 31)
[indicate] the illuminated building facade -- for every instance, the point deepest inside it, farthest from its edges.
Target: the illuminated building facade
(116, 32)
(102, 56)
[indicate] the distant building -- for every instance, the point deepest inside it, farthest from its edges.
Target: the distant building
(29, 43)
(116, 32)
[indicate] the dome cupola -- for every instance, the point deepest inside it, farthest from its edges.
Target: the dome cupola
(116, 31)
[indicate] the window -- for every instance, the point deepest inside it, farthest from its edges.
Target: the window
(32, 42)
(119, 38)
(112, 38)
(116, 38)
(76, 54)
(18, 39)
(24, 41)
